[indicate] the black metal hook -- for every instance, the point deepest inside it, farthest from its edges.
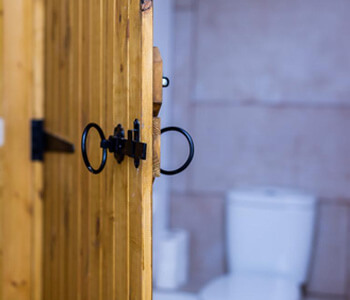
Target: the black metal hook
(191, 146)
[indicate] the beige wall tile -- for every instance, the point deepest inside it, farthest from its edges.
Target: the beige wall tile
(256, 145)
(181, 5)
(203, 217)
(330, 259)
(182, 84)
(273, 51)
(264, 88)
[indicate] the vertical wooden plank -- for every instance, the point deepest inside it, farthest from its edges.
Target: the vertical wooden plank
(70, 195)
(1, 133)
(156, 146)
(121, 173)
(17, 207)
(94, 87)
(73, 217)
(65, 168)
(62, 121)
(55, 194)
(157, 81)
(147, 126)
(48, 166)
(85, 176)
(101, 102)
(105, 244)
(51, 166)
(135, 193)
(1, 146)
(37, 167)
(23, 96)
(140, 106)
(108, 200)
(81, 168)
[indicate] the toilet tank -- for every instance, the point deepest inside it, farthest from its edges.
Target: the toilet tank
(270, 232)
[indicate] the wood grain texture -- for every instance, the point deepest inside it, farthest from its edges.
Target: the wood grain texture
(140, 191)
(96, 66)
(99, 60)
(121, 100)
(157, 81)
(21, 201)
(1, 147)
(156, 146)
(37, 167)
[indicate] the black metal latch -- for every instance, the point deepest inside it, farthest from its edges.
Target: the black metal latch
(43, 141)
(117, 144)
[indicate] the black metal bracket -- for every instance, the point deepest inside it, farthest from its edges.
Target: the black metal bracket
(122, 147)
(117, 144)
(43, 141)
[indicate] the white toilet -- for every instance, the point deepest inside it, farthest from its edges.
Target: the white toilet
(269, 241)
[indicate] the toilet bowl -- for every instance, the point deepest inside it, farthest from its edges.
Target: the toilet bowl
(269, 233)
(233, 287)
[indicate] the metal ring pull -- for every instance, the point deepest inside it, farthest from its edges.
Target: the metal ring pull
(84, 151)
(190, 156)
(117, 144)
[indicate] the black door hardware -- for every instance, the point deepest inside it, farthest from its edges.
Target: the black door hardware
(116, 144)
(191, 152)
(43, 141)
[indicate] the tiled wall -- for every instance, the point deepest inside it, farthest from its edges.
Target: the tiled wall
(264, 87)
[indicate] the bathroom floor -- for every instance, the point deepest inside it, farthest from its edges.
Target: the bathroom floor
(188, 296)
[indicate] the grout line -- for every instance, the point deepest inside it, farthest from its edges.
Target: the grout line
(199, 194)
(325, 296)
(322, 200)
(193, 51)
(347, 279)
(264, 103)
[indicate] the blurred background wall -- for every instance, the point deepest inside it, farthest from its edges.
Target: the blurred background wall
(264, 88)
(163, 33)
(163, 39)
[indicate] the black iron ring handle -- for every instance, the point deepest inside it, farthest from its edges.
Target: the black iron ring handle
(190, 156)
(84, 151)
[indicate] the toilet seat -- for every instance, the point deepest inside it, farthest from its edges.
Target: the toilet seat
(234, 287)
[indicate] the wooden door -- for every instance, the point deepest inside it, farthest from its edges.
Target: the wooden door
(21, 100)
(66, 233)
(97, 228)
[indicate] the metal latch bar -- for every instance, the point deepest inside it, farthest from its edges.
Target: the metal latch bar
(43, 141)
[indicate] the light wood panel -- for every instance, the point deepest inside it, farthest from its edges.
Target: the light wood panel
(1, 147)
(121, 102)
(96, 66)
(99, 62)
(140, 181)
(156, 147)
(157, 105)
(65, 181)
(37, 167)
(21, 201)
(157, 81)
